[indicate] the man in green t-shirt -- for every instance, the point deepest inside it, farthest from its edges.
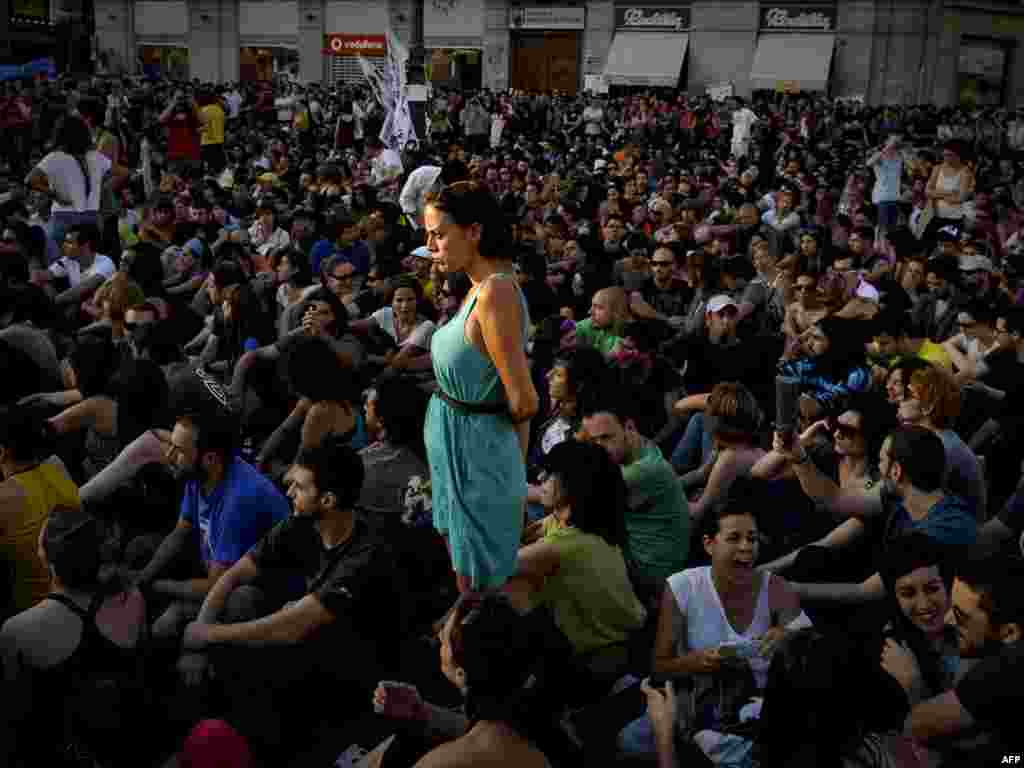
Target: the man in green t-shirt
(658, 520)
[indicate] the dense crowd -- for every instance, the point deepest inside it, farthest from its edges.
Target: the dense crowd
(585, 430)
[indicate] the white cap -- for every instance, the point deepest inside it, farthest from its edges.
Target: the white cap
(721, 301)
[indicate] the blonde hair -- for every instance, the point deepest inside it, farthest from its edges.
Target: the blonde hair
(735, 412)
(121, 293)
(939, 395)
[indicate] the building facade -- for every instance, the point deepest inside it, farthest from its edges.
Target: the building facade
(905, 51)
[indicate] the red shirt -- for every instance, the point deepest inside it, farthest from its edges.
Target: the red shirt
(182, 137)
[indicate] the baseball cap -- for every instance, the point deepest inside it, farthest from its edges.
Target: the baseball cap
(600, 164)
(721, 301)
(422, 252)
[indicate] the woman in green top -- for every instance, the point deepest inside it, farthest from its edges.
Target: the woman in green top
(575, 564)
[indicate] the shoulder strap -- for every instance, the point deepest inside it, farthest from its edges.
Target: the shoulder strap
(71, 605)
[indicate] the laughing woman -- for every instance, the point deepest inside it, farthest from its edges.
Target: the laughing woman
(478, 422)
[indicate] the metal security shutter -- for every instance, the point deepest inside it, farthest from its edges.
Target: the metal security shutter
(346, 69)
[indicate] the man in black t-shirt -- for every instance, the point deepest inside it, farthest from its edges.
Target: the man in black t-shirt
(331, 641)
(987, 614)
(662, 296)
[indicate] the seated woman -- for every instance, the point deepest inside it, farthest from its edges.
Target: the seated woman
(327, 391)
(488, 651)
(571, 375)
(294, 279)
(108, 306)
(189, 270)
(918, 577)
(83, 627)
(573, 562)
(398, 326)
(322, 316)
(719, 624)
(733, 418)
(845, 447)
(834, 365)
(395, 413)
(134, 400)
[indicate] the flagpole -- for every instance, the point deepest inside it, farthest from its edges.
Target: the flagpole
(415, 71)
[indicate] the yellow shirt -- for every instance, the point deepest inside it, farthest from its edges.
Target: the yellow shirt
(26, 501)
(933, 353)
(212, 128)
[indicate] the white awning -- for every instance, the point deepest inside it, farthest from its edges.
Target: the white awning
(794, 62)
(646, 58)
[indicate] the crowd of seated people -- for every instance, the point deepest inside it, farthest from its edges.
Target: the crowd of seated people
(772, 513)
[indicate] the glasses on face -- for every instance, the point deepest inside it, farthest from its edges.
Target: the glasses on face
(659, 264)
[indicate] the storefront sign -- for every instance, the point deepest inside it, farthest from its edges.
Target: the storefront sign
(798, 19)
(547, 18)
(355, 45)
(595, 84)
(646, 17)
(720, 92)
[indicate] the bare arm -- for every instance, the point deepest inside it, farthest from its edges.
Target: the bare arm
(245, 571)
(99, 412)
(867, 591)
(168, 550)
(839, 537)
(294, 421)
(722, 475)
(80, 291)
(499, 313)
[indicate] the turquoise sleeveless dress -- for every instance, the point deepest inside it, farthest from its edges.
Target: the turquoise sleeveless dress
(477, 473)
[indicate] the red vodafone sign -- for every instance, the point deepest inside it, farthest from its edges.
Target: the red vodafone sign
(355, 45)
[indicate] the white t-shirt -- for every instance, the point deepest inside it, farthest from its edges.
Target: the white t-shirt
(420, 336)
(234, 102)
(64, 175)
(387, 166)
(72, 270)
(742, 121)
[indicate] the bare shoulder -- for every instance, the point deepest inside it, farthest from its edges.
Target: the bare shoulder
(499, 290)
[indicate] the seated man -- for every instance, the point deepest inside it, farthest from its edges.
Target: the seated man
(226, 501)
(658, 519)
(910, 497)
(339, 633)
(987, 613)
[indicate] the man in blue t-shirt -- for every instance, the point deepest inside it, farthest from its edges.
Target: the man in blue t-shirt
(226, 504)
(908, 497)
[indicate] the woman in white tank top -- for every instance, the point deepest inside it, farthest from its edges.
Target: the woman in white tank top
(950, 184)
(714, 617)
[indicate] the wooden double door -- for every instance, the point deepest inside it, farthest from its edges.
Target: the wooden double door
(545, 61)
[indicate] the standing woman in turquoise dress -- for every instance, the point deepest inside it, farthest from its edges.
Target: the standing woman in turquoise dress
(478, 421)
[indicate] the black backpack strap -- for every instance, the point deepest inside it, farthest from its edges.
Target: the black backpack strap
(71, 605)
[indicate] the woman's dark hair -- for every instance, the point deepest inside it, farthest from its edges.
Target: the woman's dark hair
(301, 271)
(905, 554)
(845, 348)
(313, 370)
(147, 270)
(93, 360)
(496, 647)
(586, 368)
(877, 419)
(74, 137)
(459, 285)
(592, 487)
(25, 434)
(405, 282)
(733, 413)
(72, 543)
(340, 327)
(744, 497)
(466, 203)
(402, 410)
(142, 396)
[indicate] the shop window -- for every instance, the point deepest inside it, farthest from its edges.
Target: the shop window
(982, 72)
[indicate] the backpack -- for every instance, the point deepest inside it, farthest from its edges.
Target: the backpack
(105, 696)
